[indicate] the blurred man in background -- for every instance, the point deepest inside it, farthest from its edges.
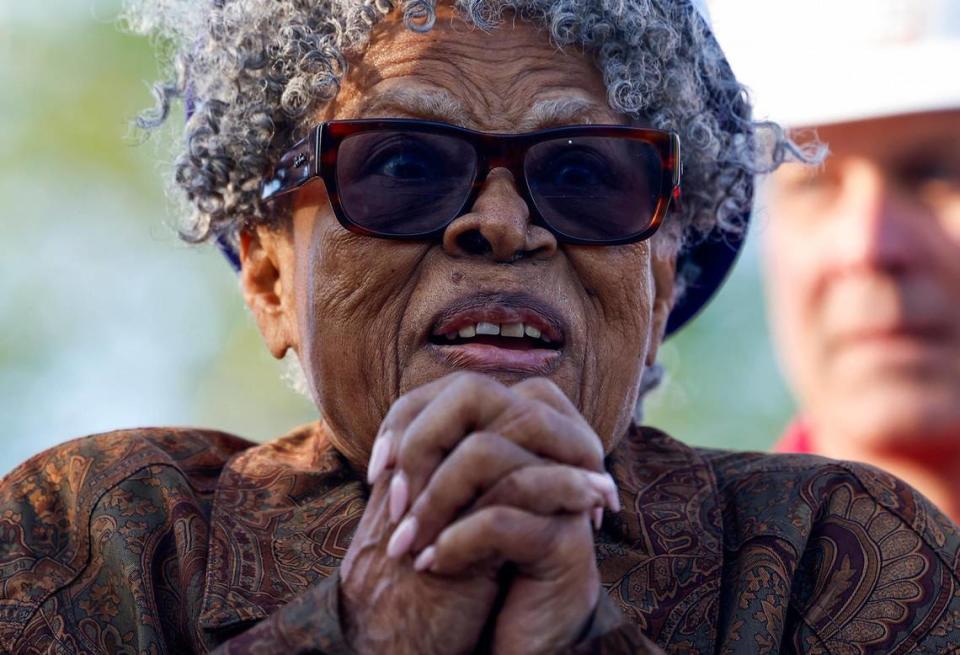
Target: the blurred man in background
(862, 255)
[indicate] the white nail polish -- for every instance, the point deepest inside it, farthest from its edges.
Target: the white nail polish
(402, 538)
(399, 494)
(378, 459)
(597, 517)
(425, 559)
(614, 495)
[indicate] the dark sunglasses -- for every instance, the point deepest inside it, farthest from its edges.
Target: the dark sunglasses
(409, 179)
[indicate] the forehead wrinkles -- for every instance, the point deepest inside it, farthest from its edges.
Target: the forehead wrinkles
(498, 77)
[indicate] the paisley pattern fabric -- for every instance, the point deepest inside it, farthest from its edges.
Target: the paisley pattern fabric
(183, 541)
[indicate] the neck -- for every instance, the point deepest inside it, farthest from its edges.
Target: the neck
(932, 470)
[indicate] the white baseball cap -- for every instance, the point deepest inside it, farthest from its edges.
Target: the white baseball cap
(817, 62)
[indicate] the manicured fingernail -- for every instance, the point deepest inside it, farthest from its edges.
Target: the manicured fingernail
(402, 538)
(399, 492)
(614, 497)
(597, 517)
(425, 559)
(378, 458)
(614, 494)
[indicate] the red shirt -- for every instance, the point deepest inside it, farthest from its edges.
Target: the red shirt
(795, 439)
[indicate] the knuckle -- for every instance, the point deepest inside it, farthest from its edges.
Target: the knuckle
(541, 386)
(512, 486)
(458, 378)
(408, 448)
(466, 379)
(400, 408)
(480, 448)
(569, 488)
(495, 519)
(461, 385)
(533, 414)
(479, 383)
(527, 422)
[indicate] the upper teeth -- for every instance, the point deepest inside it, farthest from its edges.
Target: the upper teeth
(511, 330)
(516, 330)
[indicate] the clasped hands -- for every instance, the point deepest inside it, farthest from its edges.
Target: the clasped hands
(478, 534)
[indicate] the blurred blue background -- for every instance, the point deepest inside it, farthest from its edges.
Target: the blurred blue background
(108, 321)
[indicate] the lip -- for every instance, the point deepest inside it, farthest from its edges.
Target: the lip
(889, 336)
(499, 307)
(490, 359)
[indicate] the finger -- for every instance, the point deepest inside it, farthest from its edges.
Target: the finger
(473, 468)
(549, 433)
(548, 489)
(487, 469)
(467, 401)
(403, 411)
(546, 391)
(473, 404)
(496, 535)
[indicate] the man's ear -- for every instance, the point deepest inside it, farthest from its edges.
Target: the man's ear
(664, 276)
(266, 280)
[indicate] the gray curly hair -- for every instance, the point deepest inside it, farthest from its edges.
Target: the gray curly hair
(253, 72)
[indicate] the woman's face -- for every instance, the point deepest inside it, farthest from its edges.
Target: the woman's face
(363, 313)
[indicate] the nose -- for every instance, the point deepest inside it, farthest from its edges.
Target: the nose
(879, 224)
(498, 226)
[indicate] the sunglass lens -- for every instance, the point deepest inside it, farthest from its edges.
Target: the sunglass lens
(595, 188)
(398, 183)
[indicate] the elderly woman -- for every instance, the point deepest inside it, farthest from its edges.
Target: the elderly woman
(450, 215)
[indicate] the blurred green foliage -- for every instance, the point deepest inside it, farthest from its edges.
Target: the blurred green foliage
(108, 321)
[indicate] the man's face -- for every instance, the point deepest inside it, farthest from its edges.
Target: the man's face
(863, 263)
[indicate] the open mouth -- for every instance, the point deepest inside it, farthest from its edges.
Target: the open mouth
(509, 332)
(511, 336)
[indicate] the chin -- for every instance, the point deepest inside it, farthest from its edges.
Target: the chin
(909, 415)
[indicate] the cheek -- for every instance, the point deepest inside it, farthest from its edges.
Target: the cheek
(796, 279)
(618, 289)
(351, 283)
(944, 244)
(354, 295)
(792, 260)
(618, 297)
(951, 220)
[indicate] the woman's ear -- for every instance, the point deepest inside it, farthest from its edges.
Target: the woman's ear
(664, 275)
(266, 280)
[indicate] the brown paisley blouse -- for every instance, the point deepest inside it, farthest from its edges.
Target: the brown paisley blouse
(181, 541)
